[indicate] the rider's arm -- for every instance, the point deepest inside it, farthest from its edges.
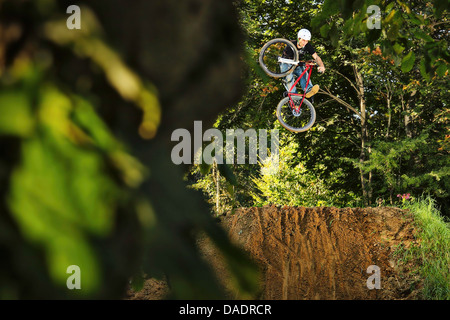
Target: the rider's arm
(319, 61)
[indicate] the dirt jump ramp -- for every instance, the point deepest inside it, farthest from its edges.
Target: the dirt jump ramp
(324, 252)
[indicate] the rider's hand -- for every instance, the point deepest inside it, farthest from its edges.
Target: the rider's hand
(321, 69)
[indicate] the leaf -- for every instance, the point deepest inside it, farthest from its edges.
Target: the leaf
(390, 16)
(330, 7)
(334, 36)
(398, 48)
(324, 30)
(408, 61)
(393, 32)
(415, 19)
(423, 67)
(389, 6)
(347, 27)
(441, 69)
(397, 60)
(62, 223)
(15, 114)
(422, 35)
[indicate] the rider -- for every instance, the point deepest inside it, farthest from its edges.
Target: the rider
(303, 47)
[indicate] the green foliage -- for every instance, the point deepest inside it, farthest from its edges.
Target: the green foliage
(217, 188)
(432, 251)
(402, 25)
(413, 165)
(290, 183)
(408, 61)
(61, 195)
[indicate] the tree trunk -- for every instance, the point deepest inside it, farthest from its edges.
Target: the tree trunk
(407, 118)
(388, 102)
(365, 182)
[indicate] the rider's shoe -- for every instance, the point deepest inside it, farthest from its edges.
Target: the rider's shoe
(285, 94)
(313, 91)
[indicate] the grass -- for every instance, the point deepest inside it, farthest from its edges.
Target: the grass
(434, 249)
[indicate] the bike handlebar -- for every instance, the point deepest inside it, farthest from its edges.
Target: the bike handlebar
(310, 62)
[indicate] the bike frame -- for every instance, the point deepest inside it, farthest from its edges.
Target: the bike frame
(308, 67)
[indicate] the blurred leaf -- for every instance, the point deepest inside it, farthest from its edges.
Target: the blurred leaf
(398, 48)
(420, 34)
(408, 61)
(15, 114)
(390, 16)
(442, 69)
(58, 206)
(127, 83)
(393, 32)
(84, 116)
(324, 30)
(424, 68)
(60, 195)
(334, 35)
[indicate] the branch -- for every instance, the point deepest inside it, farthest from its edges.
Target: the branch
(351, 83)
(323, 103)
(339, 100)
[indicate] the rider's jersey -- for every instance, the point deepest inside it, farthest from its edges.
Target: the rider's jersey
(308, 48)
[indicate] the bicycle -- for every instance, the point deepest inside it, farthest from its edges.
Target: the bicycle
(294, 112)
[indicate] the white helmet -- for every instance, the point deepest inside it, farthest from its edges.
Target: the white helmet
(304, 34)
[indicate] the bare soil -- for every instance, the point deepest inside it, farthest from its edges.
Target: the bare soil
(316, 253)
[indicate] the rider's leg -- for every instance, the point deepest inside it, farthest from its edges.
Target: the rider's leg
(288, 81)
(304, 79)
(311, 90)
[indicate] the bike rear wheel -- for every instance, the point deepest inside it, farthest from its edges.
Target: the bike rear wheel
(291, 119)
(271, 52)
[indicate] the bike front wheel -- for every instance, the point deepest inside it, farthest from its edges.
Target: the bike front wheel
(269, 58)
(296, 120)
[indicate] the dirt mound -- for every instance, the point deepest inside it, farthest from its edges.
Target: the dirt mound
(324, 253)
(321, 253)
